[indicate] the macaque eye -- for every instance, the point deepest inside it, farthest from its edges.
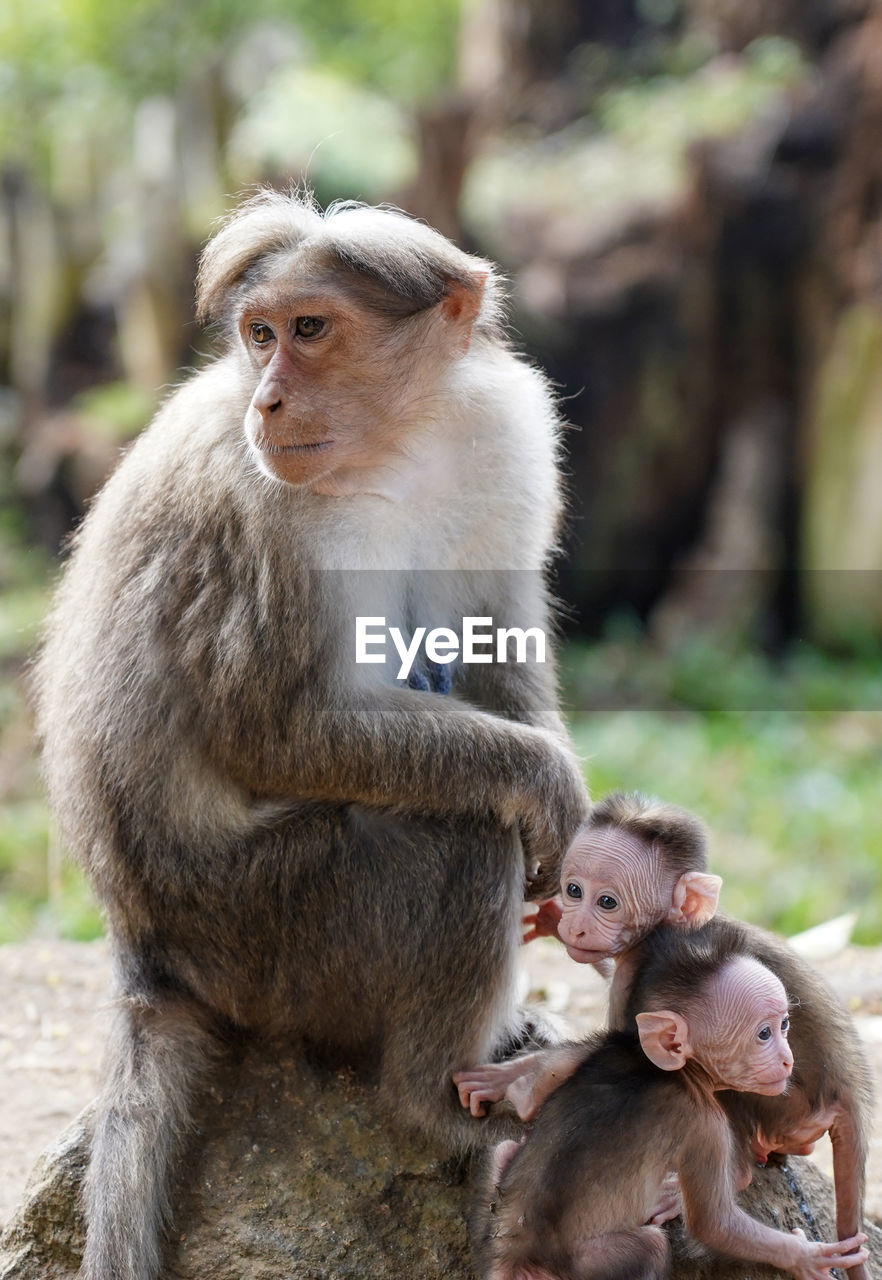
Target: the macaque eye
(260, 334)
(573, 891)
(607, 902)
(765, 1034)
(308, 326)
(785, 1025)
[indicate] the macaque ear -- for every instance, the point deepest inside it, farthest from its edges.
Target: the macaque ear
(461, 305)
(664, 1038)
(694, 900)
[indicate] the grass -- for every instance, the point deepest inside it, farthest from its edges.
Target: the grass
(40, 890)
(782, 760)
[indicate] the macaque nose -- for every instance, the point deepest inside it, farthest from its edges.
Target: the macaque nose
(787, 1057)
(267, 398)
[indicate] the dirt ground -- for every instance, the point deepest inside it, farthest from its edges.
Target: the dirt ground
(55, 1005)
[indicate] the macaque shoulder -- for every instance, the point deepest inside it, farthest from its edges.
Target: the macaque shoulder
(613, 1087)
(512, 432)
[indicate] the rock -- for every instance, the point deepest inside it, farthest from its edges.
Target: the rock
(796, 1194)
(293, 1172)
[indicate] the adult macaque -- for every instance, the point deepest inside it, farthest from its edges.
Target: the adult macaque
(831, 1089)
(284, 839)
(634, 864)
(573, 1201)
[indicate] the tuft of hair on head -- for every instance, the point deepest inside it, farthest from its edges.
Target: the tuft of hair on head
(673, 833)
(402, 266)
(267, 222)
(390, 261)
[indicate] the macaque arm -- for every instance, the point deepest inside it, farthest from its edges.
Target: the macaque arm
(524, 691)
(398, 748)
(525, 1082)
(849, 1160)
(714, 1218)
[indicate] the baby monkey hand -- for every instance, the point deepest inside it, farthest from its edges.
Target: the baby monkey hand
(822, 1256)
(525, 1082)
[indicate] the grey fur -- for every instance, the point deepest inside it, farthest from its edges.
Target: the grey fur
(280, 844)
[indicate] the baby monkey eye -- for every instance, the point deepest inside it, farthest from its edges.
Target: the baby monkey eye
(573, 891)
(785, 1025)
(607, 902)
(308, 326)
(260, 334)
(765, 1034)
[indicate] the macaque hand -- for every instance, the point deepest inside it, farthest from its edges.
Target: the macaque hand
(669, 1203)
(556, 804)
(495, 1081)
(541, 919)
(822, 1256)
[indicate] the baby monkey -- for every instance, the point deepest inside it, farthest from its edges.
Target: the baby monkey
(634, 864)
(572, 1202)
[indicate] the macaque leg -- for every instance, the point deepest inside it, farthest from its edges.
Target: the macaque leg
(848, 1175)
(641, 1254)
(416, 1086)
(155, 1056)
(669, 1204)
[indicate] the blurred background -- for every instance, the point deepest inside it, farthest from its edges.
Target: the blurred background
(686, 196)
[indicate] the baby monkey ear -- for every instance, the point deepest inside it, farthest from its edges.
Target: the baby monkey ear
(461, 305)
(664, 1038)
(694, 900)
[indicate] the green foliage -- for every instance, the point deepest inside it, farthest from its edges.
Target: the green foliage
(707, 676)
(115, 411)
(781, 760)
(94, 54)
(407, 49)
(632, 143)
(341, 137)
(23, 597)
(664, 113)
(34, 894)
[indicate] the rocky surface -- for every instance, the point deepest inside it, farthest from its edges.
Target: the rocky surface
(291, 1170)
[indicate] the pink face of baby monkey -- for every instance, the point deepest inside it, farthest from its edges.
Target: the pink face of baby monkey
(616, 888)
(736, 1033)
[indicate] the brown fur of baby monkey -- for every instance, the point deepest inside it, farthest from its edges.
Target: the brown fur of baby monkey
(635, 863)
(575, 1199)
(284, 840)
(831, 1089)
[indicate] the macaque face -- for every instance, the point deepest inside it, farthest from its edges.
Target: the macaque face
(614, 892)
(739, 1032)
(339, 383)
